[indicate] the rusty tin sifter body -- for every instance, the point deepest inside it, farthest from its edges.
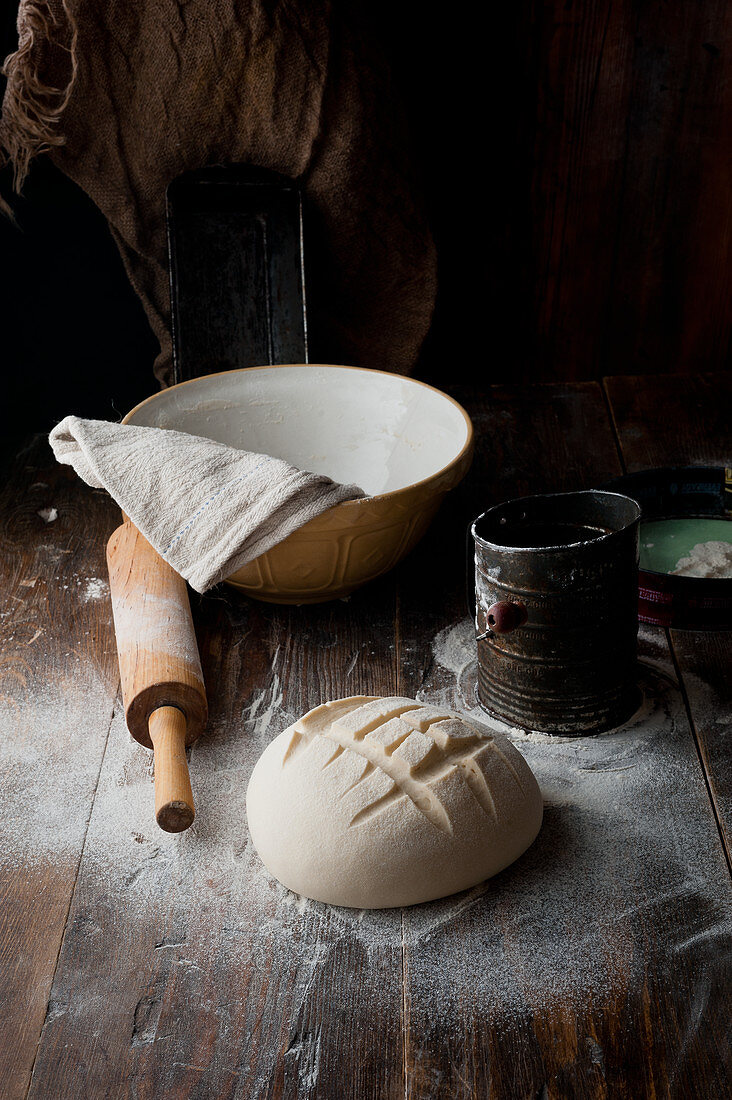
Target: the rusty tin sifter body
(557, 622)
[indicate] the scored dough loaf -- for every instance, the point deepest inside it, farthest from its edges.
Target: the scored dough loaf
(373, 802)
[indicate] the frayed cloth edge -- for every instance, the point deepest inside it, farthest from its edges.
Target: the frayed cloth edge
(32, 108)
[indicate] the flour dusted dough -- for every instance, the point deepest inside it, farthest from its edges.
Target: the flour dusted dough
(373, 802)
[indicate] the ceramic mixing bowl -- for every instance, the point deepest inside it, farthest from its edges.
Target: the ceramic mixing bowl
(405, 443)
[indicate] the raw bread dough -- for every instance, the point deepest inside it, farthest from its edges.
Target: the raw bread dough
(374, 802)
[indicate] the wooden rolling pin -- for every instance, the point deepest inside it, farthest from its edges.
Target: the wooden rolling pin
(162, 683)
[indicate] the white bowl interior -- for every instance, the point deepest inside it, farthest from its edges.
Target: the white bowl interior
(379, 431)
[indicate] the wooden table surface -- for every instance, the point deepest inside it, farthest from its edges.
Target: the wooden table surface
(138, 964)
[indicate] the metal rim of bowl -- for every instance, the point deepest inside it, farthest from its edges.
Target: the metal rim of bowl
(669, 599)
(391, 494)
(675, 578)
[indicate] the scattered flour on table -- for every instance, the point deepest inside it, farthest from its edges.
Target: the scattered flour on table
(89, 589)
(454, 649)
(48, 515)
(706, 559)
(52, 733)
(568, 922)
(94, 588)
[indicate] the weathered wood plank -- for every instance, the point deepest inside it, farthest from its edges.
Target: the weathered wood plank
(236, 270)
(600, 964)
(58, 682)
(672, 420)
(605, 224)
(680, 421)
(704, 660)
(185, 970)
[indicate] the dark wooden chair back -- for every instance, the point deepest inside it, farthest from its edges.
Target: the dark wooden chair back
(237, 278)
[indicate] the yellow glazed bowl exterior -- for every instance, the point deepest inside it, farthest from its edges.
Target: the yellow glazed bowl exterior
(350, 544)
(353, 542)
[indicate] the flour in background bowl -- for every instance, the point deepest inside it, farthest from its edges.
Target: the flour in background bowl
(707, 559)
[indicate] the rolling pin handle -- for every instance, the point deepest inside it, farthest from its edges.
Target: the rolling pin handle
(174, 810)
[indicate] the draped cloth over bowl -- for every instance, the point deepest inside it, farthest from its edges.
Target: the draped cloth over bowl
(208, 509)
(127, 96)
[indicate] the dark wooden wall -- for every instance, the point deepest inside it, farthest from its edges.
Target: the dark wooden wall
(578, 161)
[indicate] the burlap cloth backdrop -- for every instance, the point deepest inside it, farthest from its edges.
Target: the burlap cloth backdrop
(125, 95)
